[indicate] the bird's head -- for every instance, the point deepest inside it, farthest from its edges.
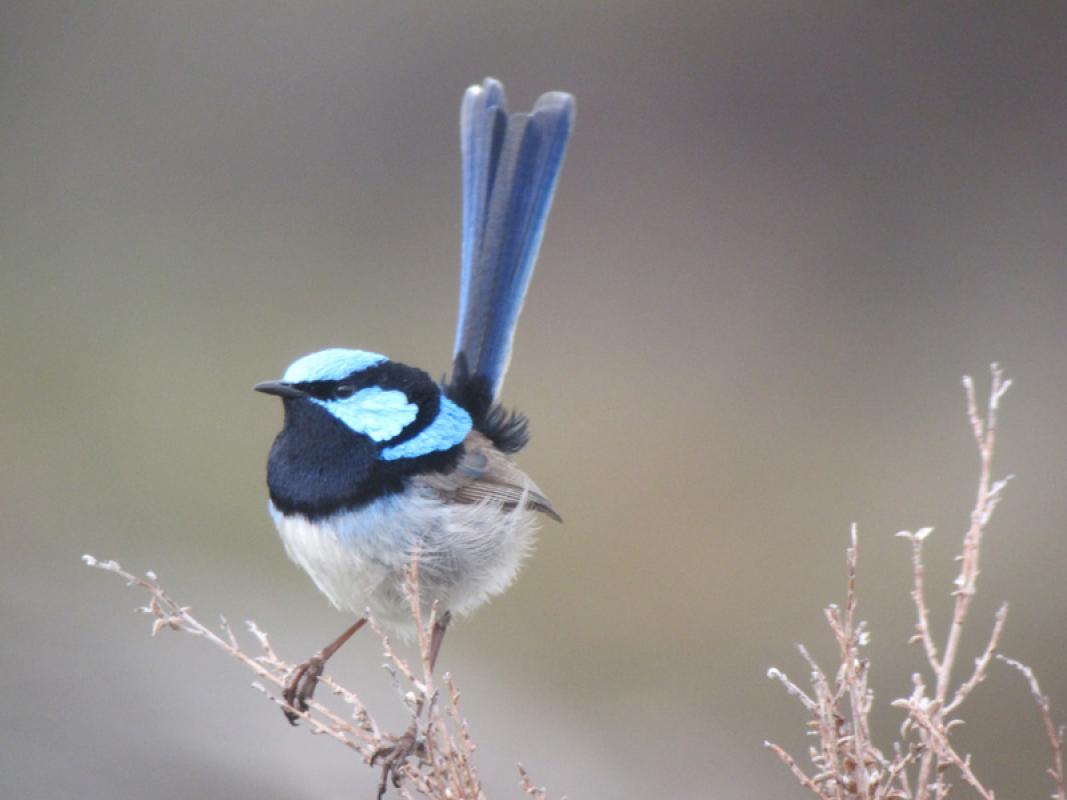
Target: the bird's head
(387, 402)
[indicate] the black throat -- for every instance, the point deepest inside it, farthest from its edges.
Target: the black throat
(318, 466)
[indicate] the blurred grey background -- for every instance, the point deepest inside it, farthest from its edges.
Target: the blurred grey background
(783, 233)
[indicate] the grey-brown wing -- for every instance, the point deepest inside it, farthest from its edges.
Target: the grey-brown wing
(484, 473)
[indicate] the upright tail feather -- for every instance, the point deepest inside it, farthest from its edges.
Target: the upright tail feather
(510, 167)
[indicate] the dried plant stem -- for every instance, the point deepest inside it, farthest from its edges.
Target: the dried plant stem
(527, 785)
(981, 664)
(938, 735)
(986, 499)
(168, 614)
(444, 768)
(790, 762)
(846, 762)
(1054, 733)
(918, 572)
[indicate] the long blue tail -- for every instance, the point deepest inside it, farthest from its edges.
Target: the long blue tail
(510, 167)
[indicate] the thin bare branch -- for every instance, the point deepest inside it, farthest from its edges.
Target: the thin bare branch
(790, 762)
(922, 625)
(981, 664)
(791, 688)
(938, 735)
(925, 764)
(1055, 733)
(527, 785)
(984, 429)
(985, 436)
(445, 768)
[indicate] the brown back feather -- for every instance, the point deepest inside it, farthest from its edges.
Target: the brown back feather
(485, 473)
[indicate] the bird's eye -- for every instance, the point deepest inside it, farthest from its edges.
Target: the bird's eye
(345, 390)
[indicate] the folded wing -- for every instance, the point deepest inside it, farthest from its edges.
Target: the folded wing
(486, 474)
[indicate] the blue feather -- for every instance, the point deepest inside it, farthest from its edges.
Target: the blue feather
(449, 428)
(333, 364)
(510, 167)
(378, 413)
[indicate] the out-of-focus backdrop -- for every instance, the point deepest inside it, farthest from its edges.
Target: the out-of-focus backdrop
(782, 235)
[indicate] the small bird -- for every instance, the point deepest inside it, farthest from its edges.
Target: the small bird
(377, 464)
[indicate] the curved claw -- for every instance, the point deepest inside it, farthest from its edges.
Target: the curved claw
(395, 756)
(301, 687)
(305, 678)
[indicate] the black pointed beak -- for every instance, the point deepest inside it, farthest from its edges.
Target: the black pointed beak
(279, 388)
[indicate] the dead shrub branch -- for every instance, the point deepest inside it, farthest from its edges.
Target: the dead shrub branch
(846, 764)
(443, 769)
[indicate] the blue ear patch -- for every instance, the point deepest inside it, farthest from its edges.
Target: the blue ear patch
(330, 365)
(378, 413)
(449, 428)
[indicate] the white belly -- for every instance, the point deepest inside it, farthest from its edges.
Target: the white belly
(466, 553)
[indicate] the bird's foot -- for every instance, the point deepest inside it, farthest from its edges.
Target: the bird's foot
(305, 678)
(393, 757)
(301, 687)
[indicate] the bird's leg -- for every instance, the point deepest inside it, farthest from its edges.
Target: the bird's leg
(396, 755)
(437, 636)
(305, 678)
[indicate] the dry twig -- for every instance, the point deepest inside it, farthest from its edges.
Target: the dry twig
(1054, 733)
(846, 763)
(444, 768)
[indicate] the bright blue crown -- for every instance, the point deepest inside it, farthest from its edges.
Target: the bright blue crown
(334, 364)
